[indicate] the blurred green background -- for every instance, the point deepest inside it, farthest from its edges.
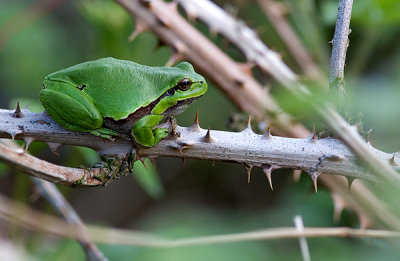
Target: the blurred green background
(197, 198)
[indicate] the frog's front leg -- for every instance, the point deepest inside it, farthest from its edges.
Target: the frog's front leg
(144, 133)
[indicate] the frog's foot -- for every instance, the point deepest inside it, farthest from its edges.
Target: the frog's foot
(104, 133)
(159, 134)
(148, 137)
(111, 168)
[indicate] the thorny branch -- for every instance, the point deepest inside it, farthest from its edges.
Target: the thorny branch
(257, 51)
(235, 80)
(340, 43)
(19, 214)
(56, 199)
(22, 161)
(265, 151)
(173, 33)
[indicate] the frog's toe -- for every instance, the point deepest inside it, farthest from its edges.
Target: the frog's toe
(105, 133)
(159, 134)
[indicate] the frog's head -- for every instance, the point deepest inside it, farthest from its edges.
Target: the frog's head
(187, 86)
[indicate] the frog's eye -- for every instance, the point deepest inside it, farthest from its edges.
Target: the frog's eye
(184, 84)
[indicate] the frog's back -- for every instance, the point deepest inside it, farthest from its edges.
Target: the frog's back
(116, 87)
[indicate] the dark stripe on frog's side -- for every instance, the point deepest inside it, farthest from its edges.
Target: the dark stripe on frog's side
(125, 125)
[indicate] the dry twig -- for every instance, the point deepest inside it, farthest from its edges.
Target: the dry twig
(31, 219)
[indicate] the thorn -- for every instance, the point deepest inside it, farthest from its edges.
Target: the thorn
(392, 160)
(313, 136)
(180, 146)
(213, 163)
(53, 147)
(248, 127)
(297, 175)
(140, 27)
(175, 57)
(350, 181)
(28, 141)
(239, 83)
(13, 134)
(267, 135)
(207, 137)
(196, 119)
(246, 68)
(195, 126)
(143, 160)
(183, 160)
(268, 171)
(153, 162)
(314, 179)
(17, 113)
(145, 2)
(314, 176)
(248, 169)
(177, 147)
(163, 21)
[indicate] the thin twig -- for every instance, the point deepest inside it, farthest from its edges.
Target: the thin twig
(57, 200)
(22, 215)
(275, 12)
(340, 43)
(305, 252)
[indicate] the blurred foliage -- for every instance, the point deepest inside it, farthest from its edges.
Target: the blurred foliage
(197, 198)
(148, 179)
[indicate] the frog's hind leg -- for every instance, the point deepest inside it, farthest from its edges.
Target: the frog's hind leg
(71, 108)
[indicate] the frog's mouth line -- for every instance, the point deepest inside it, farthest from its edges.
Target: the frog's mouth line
(179, 107)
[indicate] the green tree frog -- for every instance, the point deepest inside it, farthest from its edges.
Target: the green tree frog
(109, 96)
